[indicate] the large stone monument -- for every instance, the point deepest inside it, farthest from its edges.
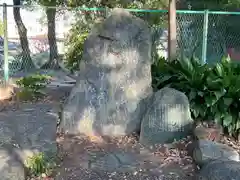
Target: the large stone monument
(114, 79)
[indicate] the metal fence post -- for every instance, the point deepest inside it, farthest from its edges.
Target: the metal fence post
(6, 70)
(205, 36)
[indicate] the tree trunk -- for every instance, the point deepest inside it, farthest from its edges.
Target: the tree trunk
(172, 31)
(22, 31)
(53, 57)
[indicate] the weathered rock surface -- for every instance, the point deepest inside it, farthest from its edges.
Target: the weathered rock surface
(206, 151)
(5, 93)
(167, 118)
(24, 132)
(203, 132)
(114, 79)
(10, 167)
(220, 170)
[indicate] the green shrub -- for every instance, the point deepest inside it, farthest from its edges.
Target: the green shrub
(25, 95)
(32, 86)
(73, 55)
(213, 91)
(75, 40)
(40, 165)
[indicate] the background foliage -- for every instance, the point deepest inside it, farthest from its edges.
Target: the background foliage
(213, 90)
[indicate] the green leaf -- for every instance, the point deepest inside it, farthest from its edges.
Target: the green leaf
(226, 60)
(238, 125)
(195, 113)
(228, 101)
(200, 93)
(162, 79)
(214, 108)
(219, 94)
(195, 109)
(192, 95)
(222, 106)
(210, 100)
(202, 110)
(214, 82)
(230, 129)
(227, 120)
(219, 69)
(226, 81)
(218, 118)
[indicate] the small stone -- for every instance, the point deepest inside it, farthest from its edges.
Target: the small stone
(135, 173)
(113, 174)
(202, 132)
(167, 119)
(10, 168)
(206, 151)
(44, 175)
(219, 170)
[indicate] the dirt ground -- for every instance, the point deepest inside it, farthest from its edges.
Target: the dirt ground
(78, 155)
(163, 163)
(159, 164)
(85, 158)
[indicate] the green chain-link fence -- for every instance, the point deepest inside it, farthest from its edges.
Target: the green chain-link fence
(206, 35)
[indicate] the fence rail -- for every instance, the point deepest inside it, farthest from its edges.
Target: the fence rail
(207, 35)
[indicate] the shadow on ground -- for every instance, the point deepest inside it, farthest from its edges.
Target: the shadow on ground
(119, 159)
(24, 132)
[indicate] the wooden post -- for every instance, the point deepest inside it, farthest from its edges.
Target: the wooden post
(172, 30)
